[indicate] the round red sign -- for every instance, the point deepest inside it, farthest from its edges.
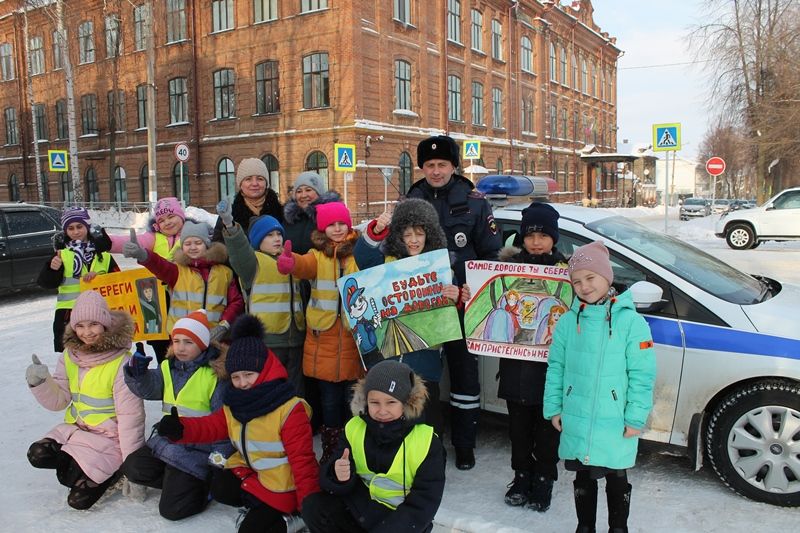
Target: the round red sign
(715, 166)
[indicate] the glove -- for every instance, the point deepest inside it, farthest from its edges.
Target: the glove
(138, 364)
(59, 241)
(170, 426)
(95, 231)
(286, 259)
(224, 210)
(132, 248)
(37, 373)
(219, 331)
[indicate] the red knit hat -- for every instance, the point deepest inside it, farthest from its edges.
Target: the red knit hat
(331, 212)
(90, 306)
(195, 326)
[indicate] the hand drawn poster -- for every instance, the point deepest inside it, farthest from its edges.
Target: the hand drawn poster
(398, 307)
(139, 293)
(514, 308)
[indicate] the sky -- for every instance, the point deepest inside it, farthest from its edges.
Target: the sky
(652, 34)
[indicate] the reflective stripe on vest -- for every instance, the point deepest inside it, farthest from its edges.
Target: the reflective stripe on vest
(194, 399)
(323, 306)
(191, 292)
(273, 295)
(390, 489)
(92, 397)
(70, 287)
(161, 246)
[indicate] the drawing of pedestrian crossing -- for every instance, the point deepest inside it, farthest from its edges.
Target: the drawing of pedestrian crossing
(667, 139)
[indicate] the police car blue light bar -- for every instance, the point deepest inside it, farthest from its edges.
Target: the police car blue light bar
(508, 185)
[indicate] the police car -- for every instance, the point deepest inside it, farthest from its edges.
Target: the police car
(727, 345)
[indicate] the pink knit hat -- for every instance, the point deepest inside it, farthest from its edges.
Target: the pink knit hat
(168, 206)
(331, 212)
(90, 306)
(594, 258)
(195, 326)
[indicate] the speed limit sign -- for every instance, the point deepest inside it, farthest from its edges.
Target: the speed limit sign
(182, 152)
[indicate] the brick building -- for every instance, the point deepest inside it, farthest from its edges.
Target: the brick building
(285, 80)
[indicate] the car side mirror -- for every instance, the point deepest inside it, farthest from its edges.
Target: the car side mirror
(769, 207)
(647, 297)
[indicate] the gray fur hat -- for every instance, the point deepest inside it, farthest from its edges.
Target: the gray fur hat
(414, 212)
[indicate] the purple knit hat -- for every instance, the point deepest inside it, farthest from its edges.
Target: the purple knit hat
(74, 214)
(594, 258)
(90, 306)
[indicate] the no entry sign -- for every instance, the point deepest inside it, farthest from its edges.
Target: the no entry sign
(715, 166)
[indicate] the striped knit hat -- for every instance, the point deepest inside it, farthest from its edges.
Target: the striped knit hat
(195, 326)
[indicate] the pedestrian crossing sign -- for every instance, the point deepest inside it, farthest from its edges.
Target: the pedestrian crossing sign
(57, 160)
(472, 150)
(345, 157)
(666, 137)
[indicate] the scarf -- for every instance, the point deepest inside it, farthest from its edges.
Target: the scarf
(83, 256)
(254, 205)
(264, 398)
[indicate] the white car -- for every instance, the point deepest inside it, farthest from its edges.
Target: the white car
(778, 220)
(727, 346)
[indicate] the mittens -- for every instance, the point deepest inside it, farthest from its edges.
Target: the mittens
(170, 425)
(286, 259)
(132, 248)
(36, 373)
(138, 364)
(225, 212)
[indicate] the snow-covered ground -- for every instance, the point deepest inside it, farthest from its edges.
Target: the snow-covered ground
(668, 496)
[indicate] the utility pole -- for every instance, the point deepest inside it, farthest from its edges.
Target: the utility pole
(152, 178)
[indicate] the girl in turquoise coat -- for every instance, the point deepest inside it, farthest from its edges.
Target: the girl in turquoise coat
(599, 387)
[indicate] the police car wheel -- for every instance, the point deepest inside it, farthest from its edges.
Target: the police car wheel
(740, 237)
(752, 442)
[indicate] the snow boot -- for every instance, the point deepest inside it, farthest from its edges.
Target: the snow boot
(586, 505)
(44, 454)
(330, 440)
(619, 507)
(465, 458)
(541, 493)
(517, 494)
(86, 492)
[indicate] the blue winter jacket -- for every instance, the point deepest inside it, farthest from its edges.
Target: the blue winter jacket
(600, 375)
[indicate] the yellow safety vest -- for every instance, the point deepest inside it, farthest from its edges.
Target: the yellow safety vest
(192, 292)
(258, 446)
(161, 246)
(274, 296)
(390, 489)
(70, 287)
(93, 397)
(194, 399)
(324, 306)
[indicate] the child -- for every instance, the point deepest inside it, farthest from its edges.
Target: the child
(599, 387)
(329, 354)
(273, 469)
(273, 297)
(190, 379)
(163, 230)
(388, 472)
(198, 278)
(81, 253)
(104, 420)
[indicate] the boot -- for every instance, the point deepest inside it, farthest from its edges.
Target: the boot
(465, 458)
(518, 489)
(44, 454)
(330, 440)
(586, 504)
(619, 507)
(86, 493)
(541, 493)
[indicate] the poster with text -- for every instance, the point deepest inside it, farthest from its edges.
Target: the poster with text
(139, 293)
(514, 308)
(398, 307)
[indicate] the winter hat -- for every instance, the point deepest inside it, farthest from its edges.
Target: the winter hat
(247, 351)
(437, 147)
(594, 258)
(195, 326)
(409, 213)
(391, 377)
(310, 179)
(74, 214)
(261, 227)
(251, 167)
(201, 230)
(538, 217)
(90, 306)
(331, 212)
(168, 206)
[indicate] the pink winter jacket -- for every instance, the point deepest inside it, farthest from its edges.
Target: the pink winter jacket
(98, 450)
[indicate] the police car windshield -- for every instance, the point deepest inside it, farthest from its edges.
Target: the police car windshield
(683, 260)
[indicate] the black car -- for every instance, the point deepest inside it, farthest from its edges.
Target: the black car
(26, 233)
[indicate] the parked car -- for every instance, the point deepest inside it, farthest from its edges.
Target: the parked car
(720, 205)
(739, 204)
(26, 233)
(777, 220)
(695, 207)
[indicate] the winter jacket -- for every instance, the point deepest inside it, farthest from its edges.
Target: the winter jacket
(299, 223)
(147, 239)
(381, 444)
(189, 458)
(99, 450)
(242, 214)
(523, 381)
(51, 279)
(600, 375)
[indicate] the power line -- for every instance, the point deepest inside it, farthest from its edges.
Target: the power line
(696, 62)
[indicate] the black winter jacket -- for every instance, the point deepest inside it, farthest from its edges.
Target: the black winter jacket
(242, 214)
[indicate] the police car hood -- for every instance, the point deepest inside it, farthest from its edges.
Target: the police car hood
(777, 315)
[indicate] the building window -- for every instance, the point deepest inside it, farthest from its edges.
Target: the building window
(226, 178)
(312, 5)
(67, 192)
(58, 56)
(141, 106)
(271, 162)
(453, 98)
(316, 85)
(406, 172)
(267, 88)
(610, 81)
(180, 187)
(88, 114)
(113, 44)
(116, 111)
(178, 101)
(45, 187)
(527, 115)
(265, 10)
(86, 42)
(224, 94)
(575, 126)
(497, 40)
(563, 65)
(402, 11)
(41, 122)
(139, 27)
(6, 62)
(602, 84)
(584, 77)
(13, 188)
(144, 182)
(526, 56)
(37, 55)
(62, 129)
(317, 162)
(402, 82)
(221, 15)
(454, 20)
(497, 107)
(176, 20)
(564, 122)
(553, 123)
(119, 186)
(499, 165)
(92, 190)
(477, 103)
(11, 125)
(524, 169)
(553, 67)
(476, 30)
(594, 79)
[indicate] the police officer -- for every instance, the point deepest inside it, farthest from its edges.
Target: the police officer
(467, 220)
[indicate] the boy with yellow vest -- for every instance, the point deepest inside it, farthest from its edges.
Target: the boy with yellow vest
(388, 472)
(191, 380)
(273, 468)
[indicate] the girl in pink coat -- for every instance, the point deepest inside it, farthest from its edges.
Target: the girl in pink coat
(104, 420)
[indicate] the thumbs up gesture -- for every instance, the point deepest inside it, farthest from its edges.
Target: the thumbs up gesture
(170, 426)
(224, 210)
(37, 373)
(132, 248)
(342, 466)
(56, 261)
(286, 259)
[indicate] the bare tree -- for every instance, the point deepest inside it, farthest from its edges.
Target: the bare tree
(31, 104)
(730, 144)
